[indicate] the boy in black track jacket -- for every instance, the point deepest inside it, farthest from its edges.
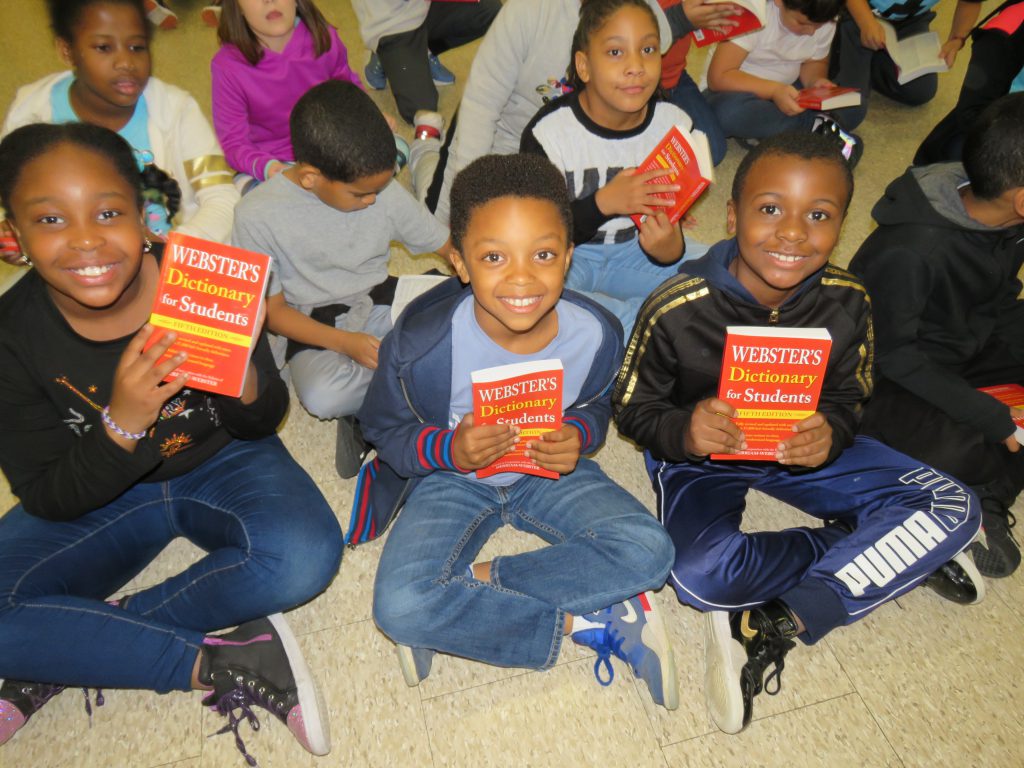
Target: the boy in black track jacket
(762, 590)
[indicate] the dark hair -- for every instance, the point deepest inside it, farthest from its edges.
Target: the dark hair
(233, 29)
(593, 15)
(493, 176)
(993, 154)
(816, 11)
(65, 15)
(798, 144)
(22, 146)
(338, 130)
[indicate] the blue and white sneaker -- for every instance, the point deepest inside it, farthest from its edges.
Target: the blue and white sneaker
(633, 631)
(373, 72)
(415, 663)
(439, 73)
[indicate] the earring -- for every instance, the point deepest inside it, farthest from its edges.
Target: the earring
(24, 259)
(147, 246)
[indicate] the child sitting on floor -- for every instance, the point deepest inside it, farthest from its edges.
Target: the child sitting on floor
(510, 232)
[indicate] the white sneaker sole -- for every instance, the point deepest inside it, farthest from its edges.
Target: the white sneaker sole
(723, 661)
(408, 665)
(655, 635)
(314, 708)
(965, 561)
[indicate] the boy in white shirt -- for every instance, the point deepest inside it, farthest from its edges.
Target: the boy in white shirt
(753, 79)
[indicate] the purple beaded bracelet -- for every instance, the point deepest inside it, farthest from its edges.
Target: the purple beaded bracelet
(122, 432)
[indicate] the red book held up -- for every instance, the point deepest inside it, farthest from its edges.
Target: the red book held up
(210, 294)
(528, 395)
(752, 16)
(772, 376)
(686, 160)
(828, 97)
(1013, 396)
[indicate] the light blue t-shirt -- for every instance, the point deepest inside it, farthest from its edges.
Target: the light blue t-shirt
(575, 344)
(135, 132)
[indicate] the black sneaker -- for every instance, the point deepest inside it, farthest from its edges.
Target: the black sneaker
(958, 581)
(260, 664)
(851, 145)
(738, 650)
(19, 700)
(995, 551)
(350, 449)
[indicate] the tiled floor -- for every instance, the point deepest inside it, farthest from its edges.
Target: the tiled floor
(918, 683)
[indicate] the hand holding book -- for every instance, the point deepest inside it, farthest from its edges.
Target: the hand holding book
(712, 430)
(477, 446)
(631, 192)
(557, 451)
(811, 444)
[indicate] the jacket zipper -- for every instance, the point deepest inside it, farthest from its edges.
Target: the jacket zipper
(405, 394)
(773, 317)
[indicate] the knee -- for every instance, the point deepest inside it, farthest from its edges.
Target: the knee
(645, 549)
(326, 403)
(303, 565)
(402, 610)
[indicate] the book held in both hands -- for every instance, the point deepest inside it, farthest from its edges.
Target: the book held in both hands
(751, 17)
(528, 395)
(772, 376)
(685, 158)
(1013, 396)
(915, 55)
(210, 294)
(828, 97)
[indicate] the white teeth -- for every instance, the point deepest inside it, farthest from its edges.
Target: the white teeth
(521, 302)
(93, 271)
(785, 258)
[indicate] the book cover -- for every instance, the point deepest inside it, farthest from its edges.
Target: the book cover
(751, 18)
(686, 160)
(1013, 396)
(828, 97)
(210, 294)
(915, 55)
(528, 395)
(772, 376)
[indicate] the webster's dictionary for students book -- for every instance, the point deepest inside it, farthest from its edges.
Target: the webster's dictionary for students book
(528, 395)
(210, 294)
(772, 376)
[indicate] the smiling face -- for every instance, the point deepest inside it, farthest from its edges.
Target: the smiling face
(515, 254)
(786, 222)
(272, 21)
(79, 220)
(109, 53)
(621, 67)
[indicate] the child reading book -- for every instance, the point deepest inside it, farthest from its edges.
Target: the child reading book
(597, 136)
(510, 234)
(328, 222)
(943, 268)
(890, 520)
(106, 44)
(110, 466)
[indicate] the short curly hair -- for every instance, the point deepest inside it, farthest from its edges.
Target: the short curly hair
(493, 176)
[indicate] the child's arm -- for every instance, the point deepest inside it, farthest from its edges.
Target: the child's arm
(724, 74)
(871, 33)
(814, 73)
(231, 121)
(701, 14)
(964, 18)
(290, 323)
(208, 173)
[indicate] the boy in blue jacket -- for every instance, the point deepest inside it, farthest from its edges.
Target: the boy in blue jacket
(510, 229)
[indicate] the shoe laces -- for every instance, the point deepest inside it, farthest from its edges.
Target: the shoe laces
(771, 652)
(100, 700)
(237, 705)
(610, 646)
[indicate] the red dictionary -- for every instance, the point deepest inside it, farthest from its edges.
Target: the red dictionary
(772, 376)
(752, 15)
(686, 160)
(828, 97)
(528, 395)
(1013, 396)
(210, 294)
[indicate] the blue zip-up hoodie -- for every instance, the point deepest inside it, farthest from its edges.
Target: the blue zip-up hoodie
(405, 413)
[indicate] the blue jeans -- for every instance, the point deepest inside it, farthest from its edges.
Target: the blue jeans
(747, 116)
(687, 96)
(272, 543)
(908, 520)
(621, 276)
(605, 547)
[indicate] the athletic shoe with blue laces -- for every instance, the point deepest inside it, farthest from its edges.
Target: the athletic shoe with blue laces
(439, 73)
(374, 74)
(633, 631)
